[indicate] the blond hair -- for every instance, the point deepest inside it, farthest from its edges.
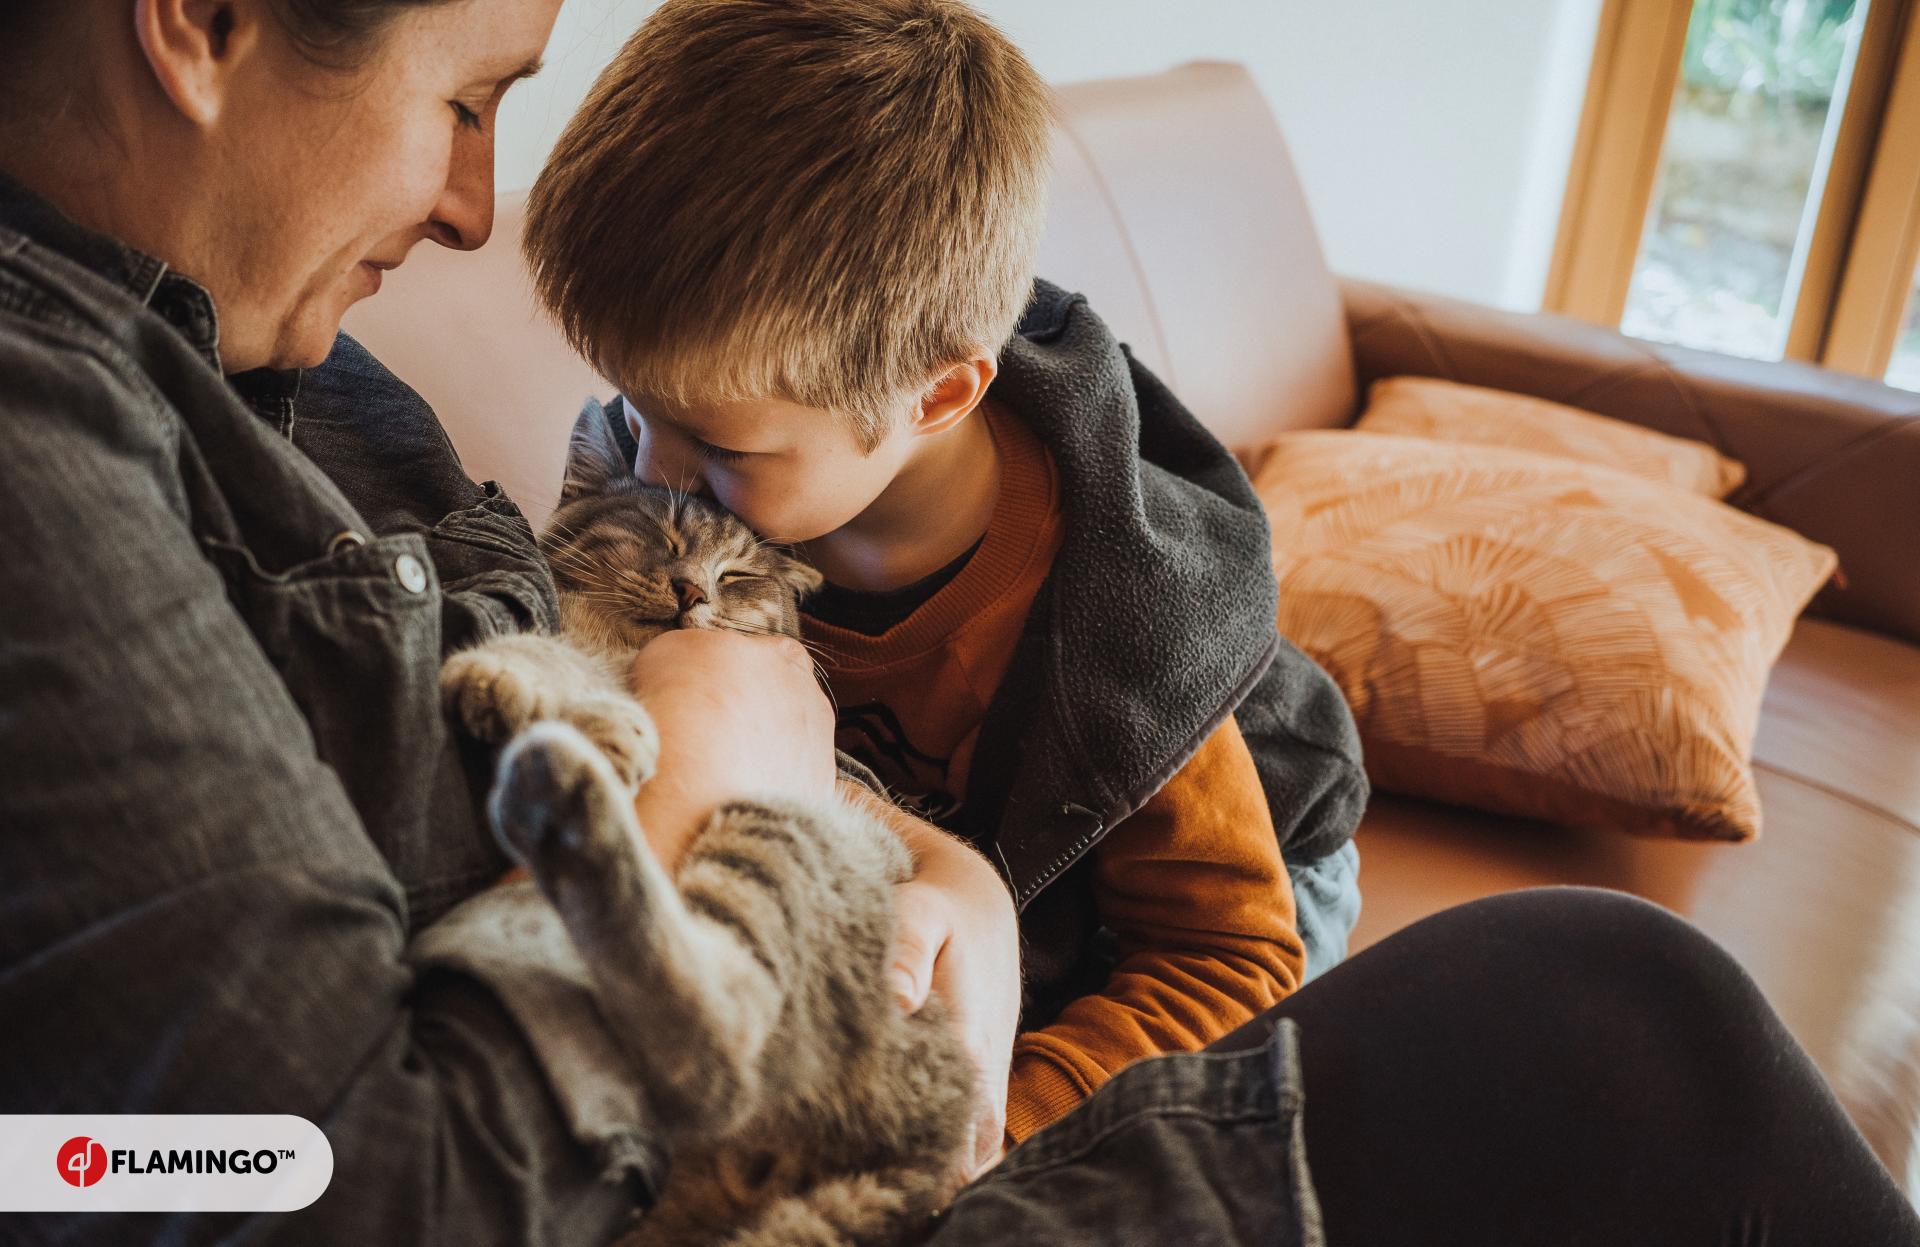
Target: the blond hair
(824, 201)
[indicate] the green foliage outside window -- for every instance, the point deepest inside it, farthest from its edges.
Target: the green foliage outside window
(1789, 51)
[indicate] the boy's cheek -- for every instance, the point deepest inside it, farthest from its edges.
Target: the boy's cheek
(774, 509)
(789, 503)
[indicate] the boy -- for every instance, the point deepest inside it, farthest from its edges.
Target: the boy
(800, 238)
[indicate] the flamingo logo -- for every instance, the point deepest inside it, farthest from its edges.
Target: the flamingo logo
(82, 1161)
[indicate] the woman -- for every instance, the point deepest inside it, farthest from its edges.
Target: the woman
(229, 794)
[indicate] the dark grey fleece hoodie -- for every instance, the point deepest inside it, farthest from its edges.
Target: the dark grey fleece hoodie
(1155, 624)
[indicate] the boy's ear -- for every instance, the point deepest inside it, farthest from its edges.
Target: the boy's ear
(193, 46)
(955, 393)
(594, 461)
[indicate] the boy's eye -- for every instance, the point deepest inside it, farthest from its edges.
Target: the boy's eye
(719, 454)
(466, 116)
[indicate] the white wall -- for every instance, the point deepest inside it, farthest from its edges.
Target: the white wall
(1432, 138)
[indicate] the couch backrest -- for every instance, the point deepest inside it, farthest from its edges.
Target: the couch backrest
(1175, 209)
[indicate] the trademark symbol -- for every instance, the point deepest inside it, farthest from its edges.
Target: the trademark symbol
(286, 1153)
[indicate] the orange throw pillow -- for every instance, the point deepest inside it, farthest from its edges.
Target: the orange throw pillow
(1535, 636)
(1447, 411)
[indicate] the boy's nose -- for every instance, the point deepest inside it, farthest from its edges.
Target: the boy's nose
(689, 593)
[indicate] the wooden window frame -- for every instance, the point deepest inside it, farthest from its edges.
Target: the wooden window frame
(1864, 226)
(1616, 156)
(1870, 303)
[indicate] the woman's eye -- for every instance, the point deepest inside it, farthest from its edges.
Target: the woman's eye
(466, 116)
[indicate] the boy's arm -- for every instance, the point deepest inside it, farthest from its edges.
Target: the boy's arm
(958, 937)
(1194, 888)
(1301, 734)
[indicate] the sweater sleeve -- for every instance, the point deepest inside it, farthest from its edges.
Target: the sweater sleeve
(1195, 891)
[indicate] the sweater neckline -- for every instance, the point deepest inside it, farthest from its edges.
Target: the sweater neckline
(1025, 514)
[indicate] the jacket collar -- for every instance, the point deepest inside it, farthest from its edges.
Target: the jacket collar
(147, 280)
(1156, 620)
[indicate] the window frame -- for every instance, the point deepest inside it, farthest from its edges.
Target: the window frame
(1863, 223)
(1876, 283)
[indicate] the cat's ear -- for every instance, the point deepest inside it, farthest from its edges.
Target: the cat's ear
(801, 578)
(594, 458)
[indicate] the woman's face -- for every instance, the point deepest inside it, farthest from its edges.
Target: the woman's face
(328, 178)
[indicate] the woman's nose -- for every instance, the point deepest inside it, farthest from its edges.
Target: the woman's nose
(463, 218)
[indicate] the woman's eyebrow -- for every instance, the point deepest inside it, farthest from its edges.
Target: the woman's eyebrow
(501, 82)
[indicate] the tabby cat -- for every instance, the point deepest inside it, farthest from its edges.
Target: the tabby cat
(748, 993)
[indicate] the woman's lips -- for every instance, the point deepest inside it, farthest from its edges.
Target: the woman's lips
(374, 269)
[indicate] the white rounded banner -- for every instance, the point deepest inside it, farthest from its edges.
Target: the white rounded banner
(186, 1162)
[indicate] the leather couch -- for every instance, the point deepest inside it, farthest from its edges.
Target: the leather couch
(1176, 209)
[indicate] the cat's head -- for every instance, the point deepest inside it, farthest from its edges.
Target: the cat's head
(649, 559)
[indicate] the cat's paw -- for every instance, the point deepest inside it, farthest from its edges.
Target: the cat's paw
(546, 797)
(490, 695)
(623, 731)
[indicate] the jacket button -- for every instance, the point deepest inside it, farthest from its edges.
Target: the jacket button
(412, 573)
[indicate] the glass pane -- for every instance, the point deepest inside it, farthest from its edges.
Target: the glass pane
(1761, 90)
(1904, 371)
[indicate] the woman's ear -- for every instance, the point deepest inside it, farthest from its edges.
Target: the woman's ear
(955, 393)
(194, 46)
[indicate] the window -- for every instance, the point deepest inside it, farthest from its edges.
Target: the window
(1904, 371)
(1749, 136)
(1747, 180)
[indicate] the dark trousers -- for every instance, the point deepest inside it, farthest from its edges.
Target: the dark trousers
(1554, 1068)
(1564, 1067)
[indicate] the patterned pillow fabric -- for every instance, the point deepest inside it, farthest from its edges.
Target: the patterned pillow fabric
(1534, 636)
(1447, 411)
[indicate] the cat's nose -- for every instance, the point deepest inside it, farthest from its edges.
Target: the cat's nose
(689, 593)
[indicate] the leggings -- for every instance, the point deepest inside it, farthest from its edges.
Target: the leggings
(1564, 1067)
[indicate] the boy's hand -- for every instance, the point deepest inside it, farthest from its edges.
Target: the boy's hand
(739, 717)
(958, 936)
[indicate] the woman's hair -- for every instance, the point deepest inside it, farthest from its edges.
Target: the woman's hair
(329, 32)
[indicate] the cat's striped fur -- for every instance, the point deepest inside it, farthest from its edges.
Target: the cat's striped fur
(801, 1105)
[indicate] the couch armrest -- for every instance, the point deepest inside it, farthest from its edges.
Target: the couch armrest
(1832, 456)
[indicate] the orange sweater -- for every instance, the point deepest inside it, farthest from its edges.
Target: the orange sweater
(1192, 885)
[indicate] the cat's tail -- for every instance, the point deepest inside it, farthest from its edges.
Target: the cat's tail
(686, 990)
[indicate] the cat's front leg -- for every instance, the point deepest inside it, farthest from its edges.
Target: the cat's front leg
(499, 689)
(622, 730)
(496, 690)
(693, 1004)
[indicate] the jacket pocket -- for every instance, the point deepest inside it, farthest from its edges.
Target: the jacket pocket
(355, 635)
(492, 573)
